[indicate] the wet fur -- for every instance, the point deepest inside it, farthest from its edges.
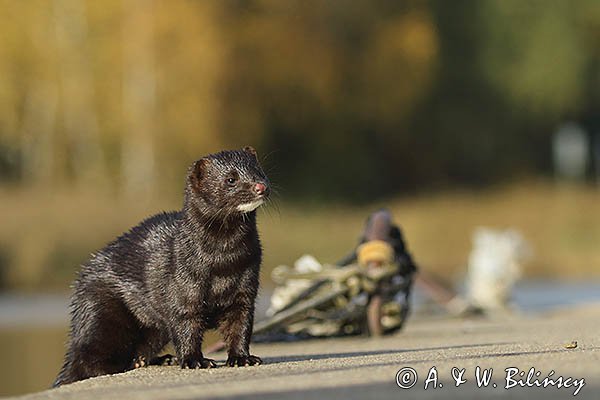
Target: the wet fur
(172, 277)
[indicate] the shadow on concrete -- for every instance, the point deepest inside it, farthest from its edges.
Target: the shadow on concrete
(322, 356)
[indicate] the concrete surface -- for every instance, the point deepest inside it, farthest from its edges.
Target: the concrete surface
(352, 368)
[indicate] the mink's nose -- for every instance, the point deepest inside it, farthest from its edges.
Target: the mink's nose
(260, 188)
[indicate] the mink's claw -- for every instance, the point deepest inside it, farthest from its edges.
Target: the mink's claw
(139, 362)
(193, 363)
(243, 361)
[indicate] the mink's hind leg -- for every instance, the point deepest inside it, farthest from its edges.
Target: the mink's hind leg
(165, 359)
(103, 339)
(161, 361)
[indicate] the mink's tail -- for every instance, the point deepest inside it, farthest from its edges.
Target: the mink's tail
(69, 373)
(64, 376)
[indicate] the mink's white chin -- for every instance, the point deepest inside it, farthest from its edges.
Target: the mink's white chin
(247, 207)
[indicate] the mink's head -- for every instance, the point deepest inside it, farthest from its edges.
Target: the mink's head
(228, 182)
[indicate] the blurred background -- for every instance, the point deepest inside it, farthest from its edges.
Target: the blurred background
(453, 115)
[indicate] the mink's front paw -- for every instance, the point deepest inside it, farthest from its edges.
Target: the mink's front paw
(243, 361)
(192, 363)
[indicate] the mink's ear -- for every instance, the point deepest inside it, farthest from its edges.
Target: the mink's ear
(251, 150)
(197, 172)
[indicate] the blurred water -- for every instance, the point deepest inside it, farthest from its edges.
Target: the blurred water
(529, 296)
(538, 296)
(40, 310)
(33, 328)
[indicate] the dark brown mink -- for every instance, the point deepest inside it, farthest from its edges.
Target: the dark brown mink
(174, 276)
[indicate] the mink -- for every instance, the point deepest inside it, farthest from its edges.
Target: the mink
(174, 276)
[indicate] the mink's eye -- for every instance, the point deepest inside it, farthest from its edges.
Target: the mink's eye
(230, 181)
